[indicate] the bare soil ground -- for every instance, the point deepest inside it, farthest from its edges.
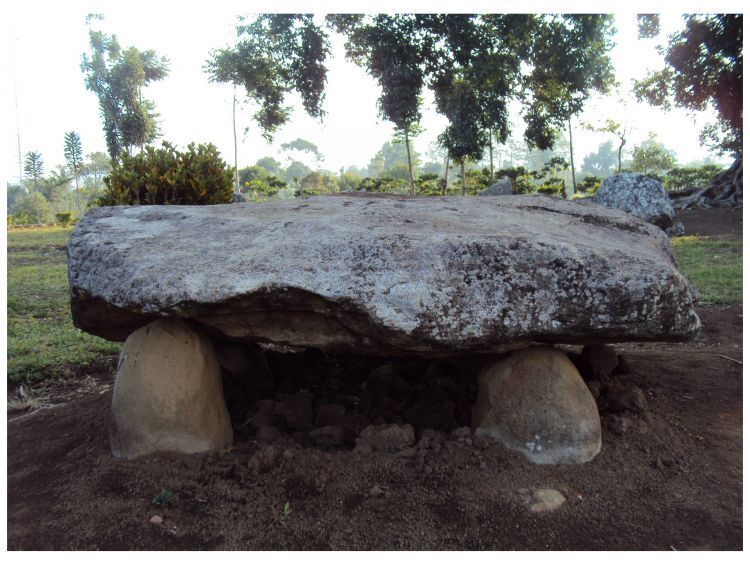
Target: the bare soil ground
(671, 480)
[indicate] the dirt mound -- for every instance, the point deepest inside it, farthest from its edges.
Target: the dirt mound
(675, 469)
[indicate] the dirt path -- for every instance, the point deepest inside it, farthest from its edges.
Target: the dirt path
(673, 482)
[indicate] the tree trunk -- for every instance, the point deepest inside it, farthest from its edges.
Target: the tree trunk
(619, 156)
(463, 176)
(572, 163)
(234, 130)
(445, 180)
(492, 168)
(408, 156)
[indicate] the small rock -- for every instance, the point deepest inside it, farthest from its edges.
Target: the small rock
(598, 361)
(619, 399)
(483, 441)
(617, 424)
(297, 411)
(545, 500)
(376, 492)
(328, 436)
(387, 437)
(356, 422)
(460, 434)
(267, 434)
(156, 520)
(330, 415)
(265, 459)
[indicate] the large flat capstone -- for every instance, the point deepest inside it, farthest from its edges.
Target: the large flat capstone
(383, 274)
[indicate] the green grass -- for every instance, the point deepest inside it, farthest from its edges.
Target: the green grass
(42, 341)
(713, 265)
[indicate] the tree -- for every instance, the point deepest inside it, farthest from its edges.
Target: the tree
(33, 207)
(301, 146)
(703, 66)
(474, 64)
(295, 172)
(602, 162)
(652, 157)
(274, 55)
(272, 165)
(33, 167)
(118, 78)
(73, 153)
(619, 130)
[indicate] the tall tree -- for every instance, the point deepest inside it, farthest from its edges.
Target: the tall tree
(652, 157)
(703, 66)
(602, 162)
(274, 55)
(620, 130)
(73, 153)
(33, 167)
(118, 78)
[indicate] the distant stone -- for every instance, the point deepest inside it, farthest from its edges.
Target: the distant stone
(535, 402)
(502, 187)
(676, 230)
(156, 520)
(638, 195)
(246, 364)
(618, 398)
(597, 361)
(239, 198)
(383, 275)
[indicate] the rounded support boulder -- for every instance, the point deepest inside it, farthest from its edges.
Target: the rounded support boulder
(535, 402)
(168, 393)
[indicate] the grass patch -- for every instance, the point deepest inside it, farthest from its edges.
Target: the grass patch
(42, 341)
(713, 265)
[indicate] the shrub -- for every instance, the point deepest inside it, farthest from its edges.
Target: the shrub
(590, 185)
(681, 178)
(64, 217)
(32, 208)
(553, 187)
(165, 176)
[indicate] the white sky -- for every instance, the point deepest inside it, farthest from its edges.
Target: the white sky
(43, 44)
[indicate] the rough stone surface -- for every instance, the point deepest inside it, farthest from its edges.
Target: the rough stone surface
(328, 436)
(536, 403)
(383, 275)
(638, 195)
(502, 187)
(168, 393)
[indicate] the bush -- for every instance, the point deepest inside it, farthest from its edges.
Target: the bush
(681, 178)
(166, 176)
(553, 187)
(590, 185)
(31, 209)
(64, 217)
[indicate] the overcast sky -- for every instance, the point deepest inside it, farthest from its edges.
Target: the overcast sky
(44, 43)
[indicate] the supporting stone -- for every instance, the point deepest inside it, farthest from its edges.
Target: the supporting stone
(168, 393)
(535, 402)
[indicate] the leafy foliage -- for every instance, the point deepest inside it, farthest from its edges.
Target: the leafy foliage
(652, 157)
(691, 177)
(703, 66)
(590, 184)
(274, 55)
(118, 77)
(165, 176)
(33, 166)
(73, 153)
(33, 208)
(602, 162)
(648, 26)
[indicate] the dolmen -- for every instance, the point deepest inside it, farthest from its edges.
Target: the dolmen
(497, 278)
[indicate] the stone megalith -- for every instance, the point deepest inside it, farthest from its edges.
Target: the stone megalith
(502, 187)
(168, 393)
(638, 195)
(536, 403)
(383, 275)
